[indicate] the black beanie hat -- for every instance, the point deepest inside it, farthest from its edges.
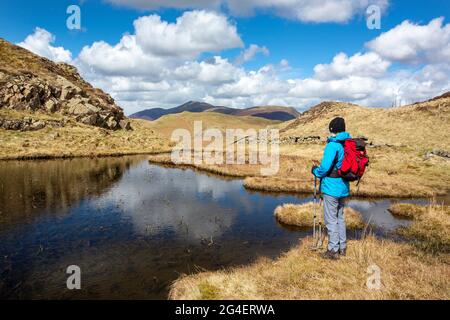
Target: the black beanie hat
(337, 125)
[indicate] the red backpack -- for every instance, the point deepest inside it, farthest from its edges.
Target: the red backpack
(355, 160)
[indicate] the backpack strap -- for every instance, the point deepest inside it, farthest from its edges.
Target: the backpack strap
(333, 172)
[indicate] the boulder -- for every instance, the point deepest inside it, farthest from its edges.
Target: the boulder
(125, 125)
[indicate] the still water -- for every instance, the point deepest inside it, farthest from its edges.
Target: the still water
(133, 227)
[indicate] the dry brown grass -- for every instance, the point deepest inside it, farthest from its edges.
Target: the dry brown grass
(406, 273)
(395, 171)
(240, 171)
(412, 175)
(185, 120)
(421, 126)
(301, 215)
(76, 140)
(430, 230)
(406, 210)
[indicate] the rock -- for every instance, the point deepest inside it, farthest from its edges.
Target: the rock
(78, 106)
(437, 153)
(125, 124)
(54, 88)
(89, 119)
(37, 125)
(301, 139)
(54, 136)
(51, 105)
(111, 123)
(29, 124)
(67, 93)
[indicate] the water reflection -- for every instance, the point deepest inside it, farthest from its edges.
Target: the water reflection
(30, 188)
(157, 199)
(132, 227)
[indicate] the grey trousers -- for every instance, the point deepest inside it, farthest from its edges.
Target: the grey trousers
(335, 222)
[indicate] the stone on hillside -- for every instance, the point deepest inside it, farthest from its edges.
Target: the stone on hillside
(89, 119)
(111, 123)
(125, 124)
(51, 105)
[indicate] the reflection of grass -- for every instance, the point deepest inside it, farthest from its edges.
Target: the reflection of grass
(301, 215)
(430, 230)
(406, 273)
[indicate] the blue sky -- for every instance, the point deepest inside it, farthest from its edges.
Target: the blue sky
(303, 44)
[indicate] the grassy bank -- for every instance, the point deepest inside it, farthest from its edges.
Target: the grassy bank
(398, 170)
(301, 215)
(430, 228)
(75, 139)
(406, 273)
(412, 175)
(418, 269)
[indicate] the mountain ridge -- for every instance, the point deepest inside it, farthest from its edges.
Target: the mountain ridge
(267, 112)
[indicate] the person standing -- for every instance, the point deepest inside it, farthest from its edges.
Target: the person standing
(334, 189)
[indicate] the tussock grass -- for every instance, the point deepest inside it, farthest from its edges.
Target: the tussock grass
(301, 215)
(406, 273)
(406, 210)
(430, 230)
(411, 176)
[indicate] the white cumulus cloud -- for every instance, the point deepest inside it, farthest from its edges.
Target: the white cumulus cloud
(40, 42)
(317, 11)
(139, 75)
(249, 53)
(365, 65)
(413, 43)
(193, 33)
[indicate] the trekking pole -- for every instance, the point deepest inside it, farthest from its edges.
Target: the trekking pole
(314, 212)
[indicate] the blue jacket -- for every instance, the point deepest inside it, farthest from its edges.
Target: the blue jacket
(336, 187)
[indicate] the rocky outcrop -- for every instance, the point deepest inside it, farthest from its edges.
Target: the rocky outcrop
(54, 88)
(438, 153)
(28, 92)
(29, 124)
(301, 139)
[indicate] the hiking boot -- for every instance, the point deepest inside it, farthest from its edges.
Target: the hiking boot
(332, 255)
(343, 252)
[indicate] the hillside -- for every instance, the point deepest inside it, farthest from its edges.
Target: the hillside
(267, 112)
(32, 83)
(156, 113)
(165, 125)
(424, 125)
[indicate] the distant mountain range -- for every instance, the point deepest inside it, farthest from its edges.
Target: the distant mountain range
(266, 112)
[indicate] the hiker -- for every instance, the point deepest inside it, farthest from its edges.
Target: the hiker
(334, 189)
